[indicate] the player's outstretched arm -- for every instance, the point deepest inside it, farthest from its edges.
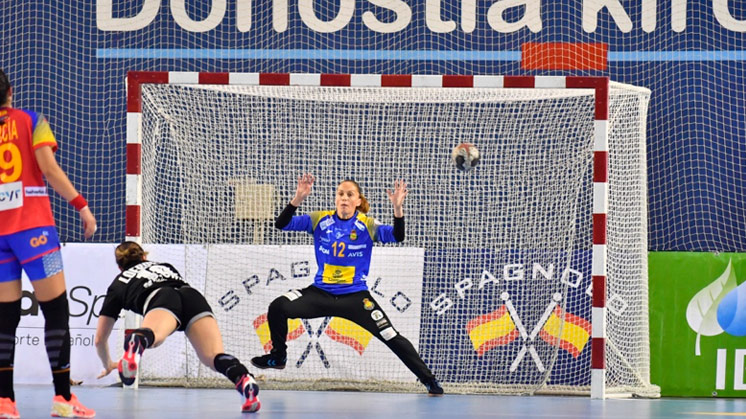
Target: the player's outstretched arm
(103, 331)
(397, 197)
(305, 184)
(60, 183)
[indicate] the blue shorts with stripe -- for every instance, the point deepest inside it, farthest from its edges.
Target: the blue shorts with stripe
(36, 251)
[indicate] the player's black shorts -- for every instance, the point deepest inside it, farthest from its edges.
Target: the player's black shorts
(186, 304)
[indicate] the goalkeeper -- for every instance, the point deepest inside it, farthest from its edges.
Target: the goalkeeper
(157, 291)
(339, 288)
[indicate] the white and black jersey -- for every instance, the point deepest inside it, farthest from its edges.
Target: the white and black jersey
(131, 288)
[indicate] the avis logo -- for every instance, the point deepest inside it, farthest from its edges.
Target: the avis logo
(719, 307)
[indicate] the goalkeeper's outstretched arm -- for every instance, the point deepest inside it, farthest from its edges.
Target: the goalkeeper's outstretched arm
(397, 199)
(305, 183)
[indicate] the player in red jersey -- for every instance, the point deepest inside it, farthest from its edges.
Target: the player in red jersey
(29, 242)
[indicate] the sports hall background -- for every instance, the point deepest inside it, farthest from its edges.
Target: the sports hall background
(64, 65)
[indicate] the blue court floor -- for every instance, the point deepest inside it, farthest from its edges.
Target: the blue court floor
(158, 402)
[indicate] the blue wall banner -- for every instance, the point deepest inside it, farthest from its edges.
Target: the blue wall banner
(69, 62)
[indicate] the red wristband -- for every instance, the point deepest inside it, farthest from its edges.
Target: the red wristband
(79, 202)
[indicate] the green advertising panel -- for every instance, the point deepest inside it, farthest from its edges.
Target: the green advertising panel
(698, 323)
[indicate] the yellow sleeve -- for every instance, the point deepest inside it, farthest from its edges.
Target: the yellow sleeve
(316, 216)
(42, 135)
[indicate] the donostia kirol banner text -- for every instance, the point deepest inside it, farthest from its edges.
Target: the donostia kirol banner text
(698, 323)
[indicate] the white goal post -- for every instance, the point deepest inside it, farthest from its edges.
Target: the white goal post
(527, 274)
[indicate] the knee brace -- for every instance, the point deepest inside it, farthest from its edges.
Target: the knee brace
(57, 331)
(10, 316)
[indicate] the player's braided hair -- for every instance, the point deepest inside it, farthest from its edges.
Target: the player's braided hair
(364, 206)
(4, 87)
(128, 254)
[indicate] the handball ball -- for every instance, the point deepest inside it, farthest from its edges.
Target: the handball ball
(465, 156)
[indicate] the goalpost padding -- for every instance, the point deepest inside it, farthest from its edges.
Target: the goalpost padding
(630, 367)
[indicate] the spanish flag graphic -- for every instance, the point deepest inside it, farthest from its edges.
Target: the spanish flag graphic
(347, 332)
(575, 333)
(491, 330)
(295, 329)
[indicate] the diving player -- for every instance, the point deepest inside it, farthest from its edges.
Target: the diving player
(157, 291)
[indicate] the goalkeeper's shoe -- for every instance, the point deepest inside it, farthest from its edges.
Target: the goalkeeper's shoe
(8, 408)
(433, 387)
(130, 359)
(249, 391)
(72, 408)
(269, 361)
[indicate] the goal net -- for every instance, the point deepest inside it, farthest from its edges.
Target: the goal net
(493, 282)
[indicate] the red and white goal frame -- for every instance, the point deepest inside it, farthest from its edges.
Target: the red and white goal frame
(600, 85)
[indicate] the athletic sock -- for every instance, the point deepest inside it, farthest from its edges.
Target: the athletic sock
(57, 341)
(230, 366)
(144, 338)
(10, 316)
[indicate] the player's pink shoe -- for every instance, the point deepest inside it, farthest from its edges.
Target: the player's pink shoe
(8, 409)
(72, 408)
(130, 360)
(249, 390)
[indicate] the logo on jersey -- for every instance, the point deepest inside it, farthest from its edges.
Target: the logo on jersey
(376, 315)
(368, 305)
(11, 195)
(36, 191)
(326, 223)
(38, 241)
(353, 234)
